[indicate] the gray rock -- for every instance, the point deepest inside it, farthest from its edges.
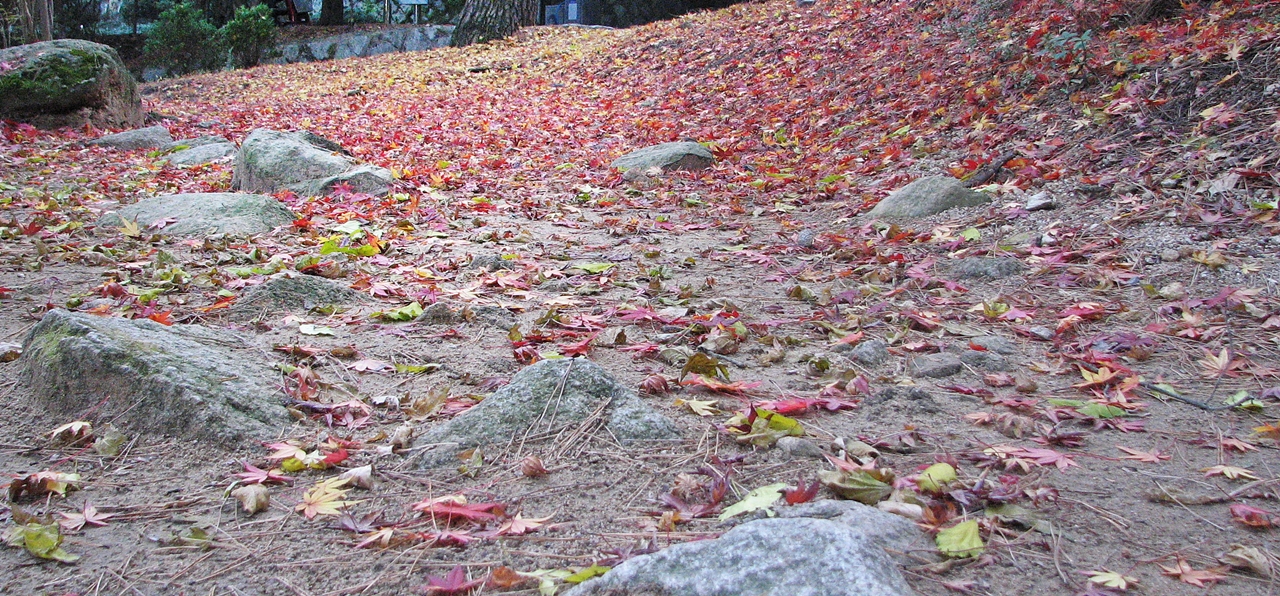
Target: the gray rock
(936, 365)
(183, 144)
(872, 352)
(269, 160)
(794, 556)
(1043, 333)
(985, 268)
(181, 380)
(151, 137)
(68, 82)
(685, 155)
(364, 178)
(985, 360)
(901, 538)
(995, 343)
(799, 448)
(1041, 202)
(912, 399)
(490, 263)
(546, 396)
(294, 293)
(204, 213)
(927, 196)
(493, 316)
(439, 313)
(201, 154)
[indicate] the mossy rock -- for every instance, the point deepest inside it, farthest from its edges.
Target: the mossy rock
(182, 380)
(68, 82)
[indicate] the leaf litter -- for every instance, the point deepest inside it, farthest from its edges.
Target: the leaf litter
(733, 297)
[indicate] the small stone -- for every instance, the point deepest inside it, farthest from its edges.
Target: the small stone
(806, 237)
(873, 352)
(490, 263)
(913, 399)
(1173, 291)
(202, 154)
(1041, 202)
(995, 343)
(1169, 255)
(984, 360)
(799, 448)
(985, 267)
(439, 313)
(936, 365)
(1043, 333)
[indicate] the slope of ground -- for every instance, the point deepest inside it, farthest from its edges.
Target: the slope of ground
(1152, 127)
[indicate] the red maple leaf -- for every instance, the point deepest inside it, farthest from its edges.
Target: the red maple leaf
(255, 475)
(450, 508)
(802, 493)
(455, 582)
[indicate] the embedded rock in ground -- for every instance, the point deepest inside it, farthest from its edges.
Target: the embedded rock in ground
(201, 154)
(197, 214)
(936, 365)
(182, 380)
(547, 397)
(685, 155)
(68, 82)
(912, 399)
(872, 352)
(829, 548)
(985, 268)
(985, 360)
(927, 196)
(182, 144)
(294, 293)
(995, 343)
(270, 160)
(151, 137)
(366, 179)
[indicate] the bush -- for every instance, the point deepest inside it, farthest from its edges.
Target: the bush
(250, 35)
(183, 41)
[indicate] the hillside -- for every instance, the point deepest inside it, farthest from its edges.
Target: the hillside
(1112, 315)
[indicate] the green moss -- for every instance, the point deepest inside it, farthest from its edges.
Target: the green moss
(54, 76)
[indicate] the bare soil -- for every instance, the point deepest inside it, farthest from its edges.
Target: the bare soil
(1104, 512)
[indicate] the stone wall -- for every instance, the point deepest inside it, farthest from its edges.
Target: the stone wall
(351, 45)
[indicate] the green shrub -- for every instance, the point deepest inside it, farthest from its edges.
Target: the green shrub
(183, 41)
(250, 36)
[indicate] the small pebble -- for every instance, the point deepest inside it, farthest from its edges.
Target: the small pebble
(1169, 255)
(1040, 202)
(1041, 332)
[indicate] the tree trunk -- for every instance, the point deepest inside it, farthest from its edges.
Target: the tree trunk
(487, 20)
(331, 12)
(44, 19)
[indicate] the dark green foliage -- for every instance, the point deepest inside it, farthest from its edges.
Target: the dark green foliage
(250, 35)
(77, 19)
(183, 41)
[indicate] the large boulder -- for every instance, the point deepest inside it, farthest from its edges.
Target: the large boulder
(820, 550)
(196, 214)
(68, 82)
(927, 196)
(684, 155)
(546, 397)
(271, 160)
(150, 137)
(180, 380)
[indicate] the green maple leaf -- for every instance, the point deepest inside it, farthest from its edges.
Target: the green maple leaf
(961, 540)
